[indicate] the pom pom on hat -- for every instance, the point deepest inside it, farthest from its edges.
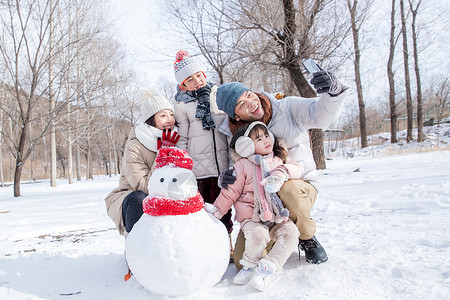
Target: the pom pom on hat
(181, 55)
(174, 157)
(150, 103)
(185, 66)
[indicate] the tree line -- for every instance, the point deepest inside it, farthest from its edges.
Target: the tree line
(68, 99)
(65, 94)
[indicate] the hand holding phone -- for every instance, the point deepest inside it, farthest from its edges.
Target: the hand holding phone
(323, 81)
(311, 66)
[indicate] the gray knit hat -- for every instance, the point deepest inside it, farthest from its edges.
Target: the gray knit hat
(228, 95)
(185, 66)
(151, 104)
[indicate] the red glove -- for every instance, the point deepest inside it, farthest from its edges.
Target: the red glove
(169, 140)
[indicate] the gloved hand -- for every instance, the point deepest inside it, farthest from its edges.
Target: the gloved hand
(168, 139)
(203, 110)
(202, 92)
(324, 82)
(211, 209)
(274, 182)
(227, 177)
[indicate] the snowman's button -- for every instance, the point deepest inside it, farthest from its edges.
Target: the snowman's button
(162, 180)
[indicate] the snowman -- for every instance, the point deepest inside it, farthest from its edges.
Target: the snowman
(176, 247)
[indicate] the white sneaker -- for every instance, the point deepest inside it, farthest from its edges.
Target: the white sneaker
(244, 275)
(264, 275)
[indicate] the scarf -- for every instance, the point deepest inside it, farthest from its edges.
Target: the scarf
(265, 211)
(267, 107)
(162, 206)
(148, 135)
(203, 110)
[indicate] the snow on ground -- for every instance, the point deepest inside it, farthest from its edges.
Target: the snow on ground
(383, 217)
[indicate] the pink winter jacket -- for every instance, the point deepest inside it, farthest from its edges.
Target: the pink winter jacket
(240, 193)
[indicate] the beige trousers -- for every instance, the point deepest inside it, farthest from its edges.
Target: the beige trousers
(257, 235)
(298, 197)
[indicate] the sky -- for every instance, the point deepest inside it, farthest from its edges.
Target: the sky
(382, 215)
(137, 24)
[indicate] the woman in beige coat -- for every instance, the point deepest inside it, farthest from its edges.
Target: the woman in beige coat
(124, 203)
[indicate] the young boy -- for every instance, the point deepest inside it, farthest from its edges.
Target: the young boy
(198, 117)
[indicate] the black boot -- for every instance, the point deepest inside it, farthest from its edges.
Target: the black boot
(314, 252)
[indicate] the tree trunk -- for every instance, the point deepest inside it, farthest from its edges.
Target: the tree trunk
(52, 155)
(11, 157)
(110, 162)
(70, 160)
(32, 154)
(69, 144)
(292, 64)
(357, 65)
(78, 161)
(420, 135)
(1, 139)
(409, 107)
(17, 176)
(390, 73)
(20, 160)
(52, 104)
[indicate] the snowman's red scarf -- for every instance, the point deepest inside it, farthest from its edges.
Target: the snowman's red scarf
(160, 206)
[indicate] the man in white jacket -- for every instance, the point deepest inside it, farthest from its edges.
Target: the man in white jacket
(289, 119)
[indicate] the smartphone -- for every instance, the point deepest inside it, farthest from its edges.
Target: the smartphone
(311, 66)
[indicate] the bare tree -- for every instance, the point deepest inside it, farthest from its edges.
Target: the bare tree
(25, 51)
(414, 11)
(409, 106)
(34, 51)
(51, 95)
(390, 73)
(357, 18)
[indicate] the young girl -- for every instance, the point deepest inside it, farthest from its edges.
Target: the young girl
(260, 173)
(124, 203)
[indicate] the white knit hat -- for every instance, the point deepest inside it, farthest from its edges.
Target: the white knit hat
(151, 104)
(185, 66)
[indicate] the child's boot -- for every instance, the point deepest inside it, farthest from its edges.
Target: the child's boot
(265, 274)
(246, 273)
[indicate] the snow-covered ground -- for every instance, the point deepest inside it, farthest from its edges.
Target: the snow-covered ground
(383, 216)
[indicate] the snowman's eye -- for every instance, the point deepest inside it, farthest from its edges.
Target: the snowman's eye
(162, 180)
(174, 180)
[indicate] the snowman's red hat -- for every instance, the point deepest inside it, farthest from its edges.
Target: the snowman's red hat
(175, 157)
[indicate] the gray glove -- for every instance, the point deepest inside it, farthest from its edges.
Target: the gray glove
(227, 177)
(273, 183)
(326, 82)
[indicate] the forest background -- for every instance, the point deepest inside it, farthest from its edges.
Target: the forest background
(70, 74)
